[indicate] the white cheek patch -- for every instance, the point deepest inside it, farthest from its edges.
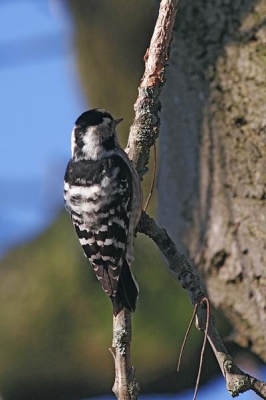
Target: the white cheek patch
(91, 140)
(92, 143)
(73, 142)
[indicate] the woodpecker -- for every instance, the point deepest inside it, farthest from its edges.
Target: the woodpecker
(102, 193)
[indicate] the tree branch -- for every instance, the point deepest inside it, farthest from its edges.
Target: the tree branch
(236, 380)
(125, 386)
(145, 128)
(143, 134)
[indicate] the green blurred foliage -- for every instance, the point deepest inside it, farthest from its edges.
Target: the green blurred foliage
(56, 322)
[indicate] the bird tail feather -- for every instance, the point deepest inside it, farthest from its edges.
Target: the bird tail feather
(127, 291)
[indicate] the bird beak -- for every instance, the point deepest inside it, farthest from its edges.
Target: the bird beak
(117, 121)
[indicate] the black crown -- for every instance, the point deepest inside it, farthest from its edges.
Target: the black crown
(92, 117)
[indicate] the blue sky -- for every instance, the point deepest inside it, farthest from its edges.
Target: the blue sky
(40, 100)
(214, 390)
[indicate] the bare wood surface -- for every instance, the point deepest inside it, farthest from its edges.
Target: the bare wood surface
(157, 54)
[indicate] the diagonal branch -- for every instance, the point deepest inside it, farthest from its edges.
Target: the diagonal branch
(236, 380)
(145, 128)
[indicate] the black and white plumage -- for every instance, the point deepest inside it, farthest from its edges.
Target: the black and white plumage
(103, 196)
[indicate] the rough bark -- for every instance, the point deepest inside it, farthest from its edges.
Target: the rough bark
(143, 134)
(212, 186)
(125, 386)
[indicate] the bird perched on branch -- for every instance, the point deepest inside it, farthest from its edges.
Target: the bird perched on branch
(102, 193)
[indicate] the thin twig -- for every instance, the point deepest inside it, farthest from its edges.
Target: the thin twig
(205, 300)
(113, 354)
(186, 336)
(153, 177)
(236, 380)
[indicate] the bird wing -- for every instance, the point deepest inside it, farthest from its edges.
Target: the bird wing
(100, 210)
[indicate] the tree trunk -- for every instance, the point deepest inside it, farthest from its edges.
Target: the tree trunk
(212, 185)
